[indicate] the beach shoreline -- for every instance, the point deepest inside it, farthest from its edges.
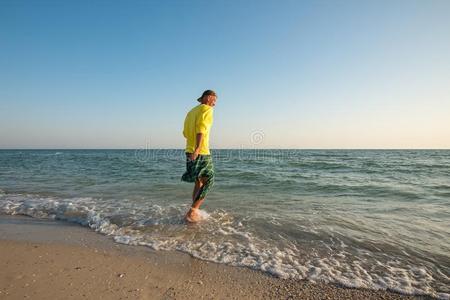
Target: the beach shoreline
(45, 259)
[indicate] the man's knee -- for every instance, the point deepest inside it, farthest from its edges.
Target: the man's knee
(207, 180)
(203, 180)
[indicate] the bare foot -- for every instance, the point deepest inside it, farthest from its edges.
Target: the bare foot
(193, 215)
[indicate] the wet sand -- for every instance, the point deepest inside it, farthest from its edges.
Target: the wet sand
(43, 259)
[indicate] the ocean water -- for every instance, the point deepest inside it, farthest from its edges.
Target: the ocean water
(374, 219)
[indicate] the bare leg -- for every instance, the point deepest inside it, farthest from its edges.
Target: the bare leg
(198, 185)
(192, 215)
(197, 202)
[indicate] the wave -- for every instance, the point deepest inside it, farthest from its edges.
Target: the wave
(226, 238)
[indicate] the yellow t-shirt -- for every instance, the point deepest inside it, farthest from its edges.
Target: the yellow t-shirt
(198, 120)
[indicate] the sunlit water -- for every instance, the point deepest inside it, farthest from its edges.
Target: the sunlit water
(372, 219)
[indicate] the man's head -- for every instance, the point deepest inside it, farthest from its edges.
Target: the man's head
(208, 97)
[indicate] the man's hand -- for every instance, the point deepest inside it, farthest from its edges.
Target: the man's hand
(199, 139)
(194, 155)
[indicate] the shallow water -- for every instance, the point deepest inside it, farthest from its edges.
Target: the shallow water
(362, 218)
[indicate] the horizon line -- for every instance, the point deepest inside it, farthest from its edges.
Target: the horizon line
(213, 149)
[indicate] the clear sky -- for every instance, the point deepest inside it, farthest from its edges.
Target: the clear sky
(289, 74)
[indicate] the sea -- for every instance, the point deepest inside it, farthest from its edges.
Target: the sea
(375, 219)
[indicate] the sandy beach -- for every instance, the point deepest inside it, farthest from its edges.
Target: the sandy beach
(54, 260)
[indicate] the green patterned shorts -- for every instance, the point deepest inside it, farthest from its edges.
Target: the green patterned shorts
(200, 167)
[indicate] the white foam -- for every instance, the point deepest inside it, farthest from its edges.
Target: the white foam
(203, 214)
(224, 239)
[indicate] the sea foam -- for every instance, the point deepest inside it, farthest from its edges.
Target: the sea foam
(222, 238)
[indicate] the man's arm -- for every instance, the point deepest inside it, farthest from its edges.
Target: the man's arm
(202, 125)
(199, 139)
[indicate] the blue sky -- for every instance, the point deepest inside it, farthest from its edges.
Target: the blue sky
(297, 74)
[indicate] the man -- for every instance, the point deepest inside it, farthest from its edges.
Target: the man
(199, 165)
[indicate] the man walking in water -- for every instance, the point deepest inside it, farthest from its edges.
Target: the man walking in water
(199, 165)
